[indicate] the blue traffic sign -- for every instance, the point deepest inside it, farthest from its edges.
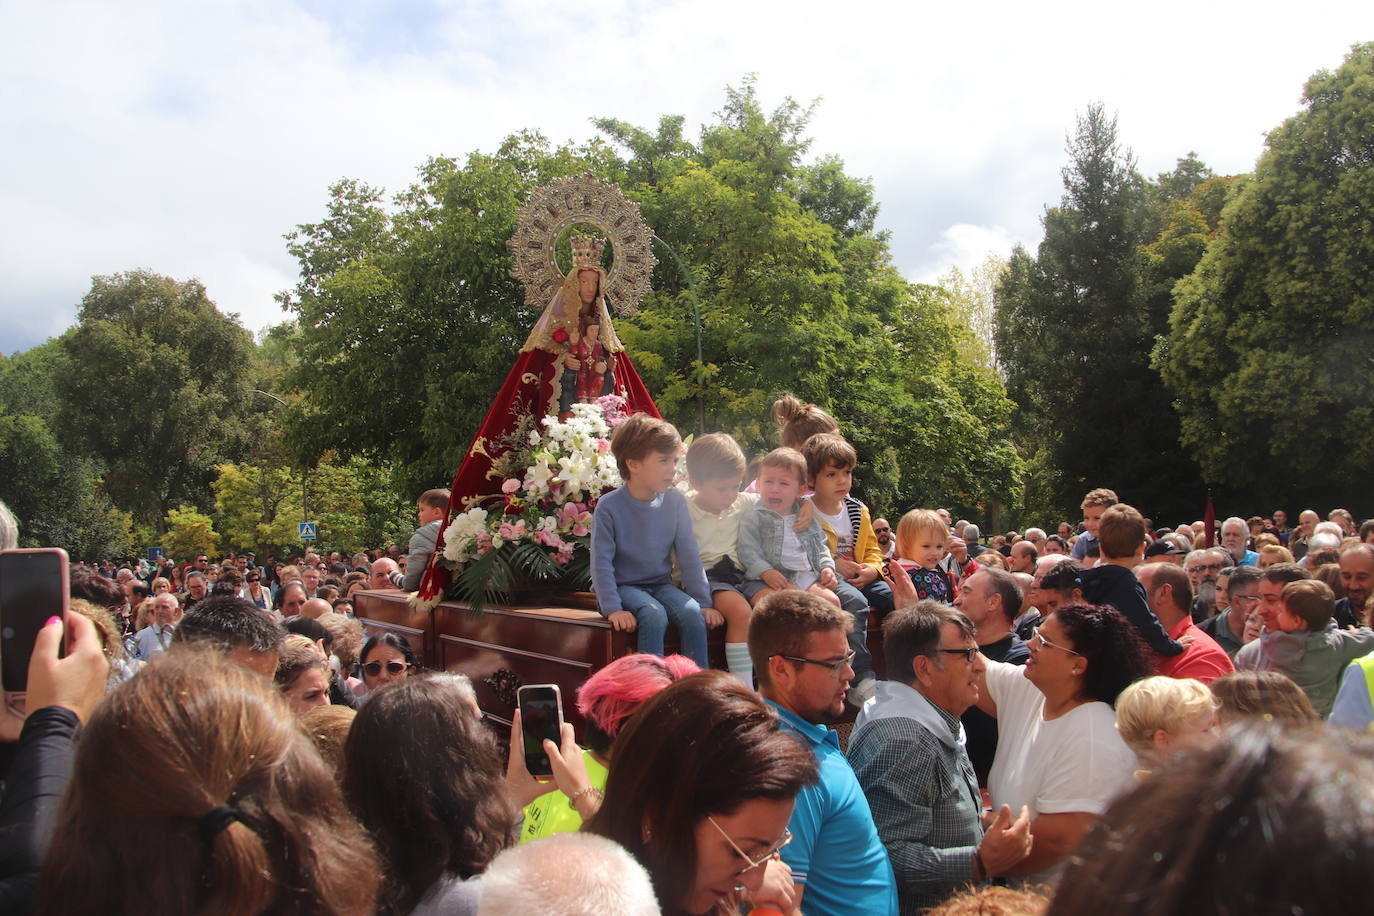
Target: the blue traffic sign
(309, 531)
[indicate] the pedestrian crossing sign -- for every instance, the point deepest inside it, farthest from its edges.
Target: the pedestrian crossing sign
(309, 531)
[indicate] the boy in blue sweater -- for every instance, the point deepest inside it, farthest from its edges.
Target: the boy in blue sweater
(635, 531)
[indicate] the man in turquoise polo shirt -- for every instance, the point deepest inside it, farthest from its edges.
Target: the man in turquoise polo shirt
(801, 656)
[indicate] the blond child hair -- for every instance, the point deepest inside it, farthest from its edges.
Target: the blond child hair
(715, 456)
(1156, 704)
(788, 458)
(915, 523)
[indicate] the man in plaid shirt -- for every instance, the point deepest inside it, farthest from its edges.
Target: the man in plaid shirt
(908, 753)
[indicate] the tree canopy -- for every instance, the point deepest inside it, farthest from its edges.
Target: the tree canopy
(409, 317)
(157, 389)
(1271, 333)
(1074, 327)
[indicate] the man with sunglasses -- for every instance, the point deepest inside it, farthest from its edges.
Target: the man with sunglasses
(908, 753)
(882, 530)
(798, 643)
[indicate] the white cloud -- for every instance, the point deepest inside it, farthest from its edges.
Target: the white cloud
(187, 138)
(964, 246)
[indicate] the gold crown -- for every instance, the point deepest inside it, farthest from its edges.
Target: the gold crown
(586, 252)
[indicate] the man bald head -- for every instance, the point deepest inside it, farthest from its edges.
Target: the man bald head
(315, 608)
(382, 570)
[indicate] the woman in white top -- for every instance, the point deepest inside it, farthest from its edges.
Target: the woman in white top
(1058, 750)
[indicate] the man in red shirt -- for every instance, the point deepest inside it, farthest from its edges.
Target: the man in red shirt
(1171, 596)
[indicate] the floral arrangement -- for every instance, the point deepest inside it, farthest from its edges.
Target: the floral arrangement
(537, 531)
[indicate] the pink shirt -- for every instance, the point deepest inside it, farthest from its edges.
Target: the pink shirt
(1204, 660)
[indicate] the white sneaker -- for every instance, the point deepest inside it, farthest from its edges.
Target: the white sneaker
(861, 692)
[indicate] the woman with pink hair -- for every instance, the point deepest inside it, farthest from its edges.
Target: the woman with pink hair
(606, 700)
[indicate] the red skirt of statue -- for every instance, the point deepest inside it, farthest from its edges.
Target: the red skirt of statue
(529, 383)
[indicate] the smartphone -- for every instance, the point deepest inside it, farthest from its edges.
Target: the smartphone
(541, 716)
(33, 589)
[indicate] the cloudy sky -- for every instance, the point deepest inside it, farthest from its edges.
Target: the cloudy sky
(187, 137)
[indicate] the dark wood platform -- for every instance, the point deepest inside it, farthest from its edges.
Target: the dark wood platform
(502, 648)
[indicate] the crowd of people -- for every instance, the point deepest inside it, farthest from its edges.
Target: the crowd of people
(1116, 715)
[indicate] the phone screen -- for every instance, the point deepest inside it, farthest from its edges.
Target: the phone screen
(541, 716)
(33, 589)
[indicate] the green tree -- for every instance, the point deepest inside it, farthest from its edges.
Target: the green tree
(1074, 332)
(157, 389)
(258, 506)
(189, 532)
(1271, 333)
(409, 318)
(55, 492)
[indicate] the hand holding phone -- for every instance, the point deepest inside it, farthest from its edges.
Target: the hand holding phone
(76, 682)
(33, 589)
(541, 717)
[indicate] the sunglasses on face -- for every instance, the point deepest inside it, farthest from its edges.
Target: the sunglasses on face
(373, 669)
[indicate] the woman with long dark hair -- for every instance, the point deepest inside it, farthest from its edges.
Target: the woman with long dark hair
(425, 778)
(701, 788)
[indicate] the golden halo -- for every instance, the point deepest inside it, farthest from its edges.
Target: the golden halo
(555, 206)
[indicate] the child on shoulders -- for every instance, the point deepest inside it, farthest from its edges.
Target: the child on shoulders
(1308, 646)
(777, 557)
(636, 530)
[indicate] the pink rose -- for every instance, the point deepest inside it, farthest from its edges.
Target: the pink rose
(511, 486)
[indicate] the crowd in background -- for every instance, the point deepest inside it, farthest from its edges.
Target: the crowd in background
(1087, 719)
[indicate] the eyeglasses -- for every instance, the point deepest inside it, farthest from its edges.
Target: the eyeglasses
(1205, 567)
(375, 668)
(834, 667)
(202, 559)
(1037, 636)
(255, 578)
(753, 863)
(969, 654)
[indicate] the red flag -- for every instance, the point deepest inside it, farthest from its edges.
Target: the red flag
(1209, 519)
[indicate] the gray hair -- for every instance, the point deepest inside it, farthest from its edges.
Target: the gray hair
(1323, 540)
(1235, 520)
(1330, 528)
(461, 684)
(971, 533)
(9, 528)
(567, 874)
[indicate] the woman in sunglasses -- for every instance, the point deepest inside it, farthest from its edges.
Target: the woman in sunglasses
(386, 659)
(700, 791)
(1058, 750)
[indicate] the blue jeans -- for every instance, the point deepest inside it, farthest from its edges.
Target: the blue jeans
(853, 601)
(653, 606)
